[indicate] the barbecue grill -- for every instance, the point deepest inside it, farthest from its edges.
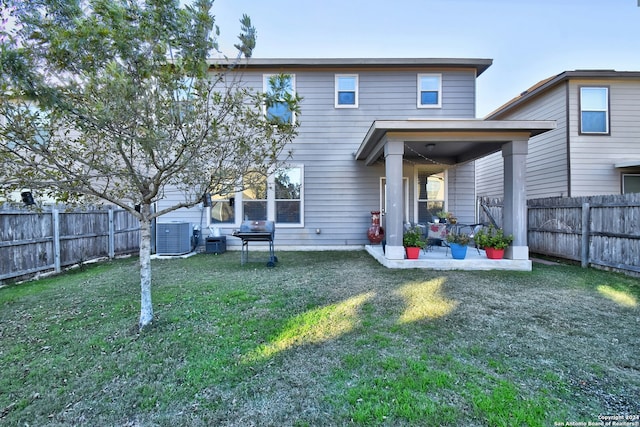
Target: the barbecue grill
(256, 231)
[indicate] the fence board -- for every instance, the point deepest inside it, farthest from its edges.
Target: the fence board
(126, 232)
(555, 228)
(29, 239)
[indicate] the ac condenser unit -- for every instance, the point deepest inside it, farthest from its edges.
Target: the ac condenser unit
(173, 238)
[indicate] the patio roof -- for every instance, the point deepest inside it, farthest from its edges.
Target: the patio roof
(447, 141)
(452, 142)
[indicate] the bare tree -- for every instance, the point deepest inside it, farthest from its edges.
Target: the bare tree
(118, 101)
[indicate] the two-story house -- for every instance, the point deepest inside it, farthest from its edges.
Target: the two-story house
(395, 135)
(595, 148)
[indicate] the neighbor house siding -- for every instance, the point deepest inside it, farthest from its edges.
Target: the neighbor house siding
(564, 162)
(593, 157)
(340, 192)
(547, 153)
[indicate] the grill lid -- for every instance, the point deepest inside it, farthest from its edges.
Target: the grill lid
(257, 227)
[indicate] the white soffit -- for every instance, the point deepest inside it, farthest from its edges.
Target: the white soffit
(628, 164)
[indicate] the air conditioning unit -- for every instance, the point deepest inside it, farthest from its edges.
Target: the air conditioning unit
(173, 238)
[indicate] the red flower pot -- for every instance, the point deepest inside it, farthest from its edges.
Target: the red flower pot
(493, 253)
(412, 253)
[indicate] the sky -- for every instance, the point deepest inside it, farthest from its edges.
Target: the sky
(528, 40)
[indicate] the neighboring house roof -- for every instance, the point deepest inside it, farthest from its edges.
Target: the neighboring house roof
(480, 65)
(546, 84)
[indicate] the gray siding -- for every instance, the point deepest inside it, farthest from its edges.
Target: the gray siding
(489, 176)
(462, 196)
(593, 156)
(547, 158)
(340, 192)
(563, 162)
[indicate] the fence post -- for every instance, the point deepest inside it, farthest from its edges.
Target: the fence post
(586, 225)
(112, 235)
(55, 219)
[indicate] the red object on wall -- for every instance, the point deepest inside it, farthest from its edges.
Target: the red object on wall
(375, 233)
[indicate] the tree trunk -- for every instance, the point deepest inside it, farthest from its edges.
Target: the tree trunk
(146, 309)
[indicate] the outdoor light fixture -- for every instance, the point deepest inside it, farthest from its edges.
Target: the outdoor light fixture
(27, 198)
(430, 147)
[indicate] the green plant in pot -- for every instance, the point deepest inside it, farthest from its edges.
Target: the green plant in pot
(493, 241)
(443, 216)
(458, 244)
(413, 241)
(461, 239)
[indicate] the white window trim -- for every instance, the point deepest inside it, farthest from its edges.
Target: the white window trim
(271, 199)
(416, 190)
(357, 91)
(606, 110)
(439, 104)
(208, 209)
(271, 204)
(265, 86)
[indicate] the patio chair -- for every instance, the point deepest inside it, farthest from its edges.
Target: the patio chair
(472, 231)
(436, 235)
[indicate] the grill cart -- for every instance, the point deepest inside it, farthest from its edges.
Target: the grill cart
(256, 231)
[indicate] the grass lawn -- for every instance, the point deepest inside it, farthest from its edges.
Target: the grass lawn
(325, 338)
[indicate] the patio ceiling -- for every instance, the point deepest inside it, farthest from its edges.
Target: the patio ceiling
(446, 141)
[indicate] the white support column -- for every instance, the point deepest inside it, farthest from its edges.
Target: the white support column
(514, 213)
(393, 154)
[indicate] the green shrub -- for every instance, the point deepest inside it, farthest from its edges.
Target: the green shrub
(459, 238)
(492, 237)
(413, 238)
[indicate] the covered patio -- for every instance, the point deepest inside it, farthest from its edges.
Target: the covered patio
(452, 142)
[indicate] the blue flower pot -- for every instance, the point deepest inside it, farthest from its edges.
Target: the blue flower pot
(458, 251)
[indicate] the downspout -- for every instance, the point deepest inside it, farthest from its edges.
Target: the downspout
(568, 137)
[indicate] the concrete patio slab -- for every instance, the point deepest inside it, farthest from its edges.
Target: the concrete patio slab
(438, 258)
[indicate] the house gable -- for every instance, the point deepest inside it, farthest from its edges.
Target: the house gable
(568, 162)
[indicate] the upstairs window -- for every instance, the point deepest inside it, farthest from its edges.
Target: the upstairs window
(184, 93)
(594, 110)
(429, 90)
(279, 110)
(346, 91)
(26, 123)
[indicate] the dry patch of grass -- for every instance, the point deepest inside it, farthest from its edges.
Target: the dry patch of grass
(327, 338)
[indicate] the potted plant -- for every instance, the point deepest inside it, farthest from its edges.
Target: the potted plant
(446, 217)
(413, 241)
(493, 241)
(458, 243)
(442, 216)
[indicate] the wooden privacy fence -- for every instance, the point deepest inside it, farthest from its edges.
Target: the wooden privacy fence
(38, 241)
(597, 230)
